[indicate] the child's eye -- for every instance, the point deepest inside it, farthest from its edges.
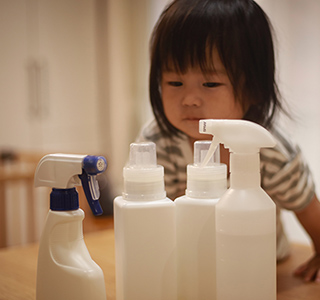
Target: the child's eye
(175, 83)
(211, 84)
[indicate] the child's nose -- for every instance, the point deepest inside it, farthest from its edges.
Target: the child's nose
(191, 99)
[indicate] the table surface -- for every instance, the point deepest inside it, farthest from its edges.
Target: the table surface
(18, 270)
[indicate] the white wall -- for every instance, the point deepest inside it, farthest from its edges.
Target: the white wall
(297, 27)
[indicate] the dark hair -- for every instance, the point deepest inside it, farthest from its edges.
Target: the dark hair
(241, 33)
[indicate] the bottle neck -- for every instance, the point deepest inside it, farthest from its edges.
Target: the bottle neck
(143, 184)
(244, 170)
(144, 191)
(209, 182)
(64, 199)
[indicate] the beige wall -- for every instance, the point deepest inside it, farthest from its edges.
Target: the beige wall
(128, 26)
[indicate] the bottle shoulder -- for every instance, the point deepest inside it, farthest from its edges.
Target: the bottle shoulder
(65, 216)
(185, 200)
(67, 213)
(121, 202)
(246, 199)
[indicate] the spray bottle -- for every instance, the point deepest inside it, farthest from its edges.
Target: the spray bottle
(65, 268)
(195, 213)
(245, 215)
(144, 226)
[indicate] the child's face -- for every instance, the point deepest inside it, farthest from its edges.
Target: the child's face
(192, 96)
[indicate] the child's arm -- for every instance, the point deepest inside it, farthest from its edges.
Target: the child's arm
(310, 220)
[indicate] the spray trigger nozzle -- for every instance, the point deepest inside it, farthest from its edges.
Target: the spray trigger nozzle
(94, 187)
(239, 136)
(92, 165)
(64, 171)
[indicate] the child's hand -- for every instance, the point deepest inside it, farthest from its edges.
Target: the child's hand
(309, 218)
(310, 271)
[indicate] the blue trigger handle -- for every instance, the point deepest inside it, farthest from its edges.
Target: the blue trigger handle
(92, 165)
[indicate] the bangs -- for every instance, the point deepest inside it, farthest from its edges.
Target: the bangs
(187, 41)
(191, 56)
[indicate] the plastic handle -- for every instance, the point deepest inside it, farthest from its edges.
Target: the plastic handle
(92, 165)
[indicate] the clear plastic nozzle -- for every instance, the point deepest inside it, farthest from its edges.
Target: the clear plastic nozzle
(143, 178)
(201, 149)
(143, 155)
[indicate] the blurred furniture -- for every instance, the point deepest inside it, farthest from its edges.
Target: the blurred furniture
(17, 201)
(18, 269)
(49, 72)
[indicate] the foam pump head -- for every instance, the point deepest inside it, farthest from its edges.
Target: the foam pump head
(143, 178)
(209, 181)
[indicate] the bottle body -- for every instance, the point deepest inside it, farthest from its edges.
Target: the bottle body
(65, 267)
(145, 249)
(246, 245)
(196, 252)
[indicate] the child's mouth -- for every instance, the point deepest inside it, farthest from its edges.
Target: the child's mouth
(192, 119)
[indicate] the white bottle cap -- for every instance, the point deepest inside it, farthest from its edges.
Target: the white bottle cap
(143, 178)
(208, 182)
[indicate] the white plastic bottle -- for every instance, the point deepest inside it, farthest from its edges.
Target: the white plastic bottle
(195, 215)
(144, 226)
(245, 215)
(65, 268)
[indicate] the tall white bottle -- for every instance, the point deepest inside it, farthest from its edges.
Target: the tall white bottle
(65, 268)
(195, 215)
(144, 226)
(245, 215)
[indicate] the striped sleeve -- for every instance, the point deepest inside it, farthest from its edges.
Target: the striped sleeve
(285, 176)
(172, 159)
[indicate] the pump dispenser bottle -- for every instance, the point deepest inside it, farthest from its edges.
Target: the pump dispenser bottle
(144, 225)
(195, 215)
(245, 215)
(65, 269)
